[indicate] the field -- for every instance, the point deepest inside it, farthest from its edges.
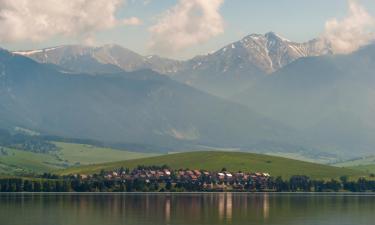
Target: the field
(17, 161)
(233, 161)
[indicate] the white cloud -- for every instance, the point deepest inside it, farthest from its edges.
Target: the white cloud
(132, 21)
(352, 32)
(189, 23)
(39, 20)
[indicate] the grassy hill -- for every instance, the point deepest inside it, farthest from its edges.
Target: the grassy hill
(17, 161)
(233, 161)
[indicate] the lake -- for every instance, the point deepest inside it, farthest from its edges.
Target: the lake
(186, 209)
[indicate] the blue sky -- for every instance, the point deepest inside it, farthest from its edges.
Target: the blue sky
(297, 20)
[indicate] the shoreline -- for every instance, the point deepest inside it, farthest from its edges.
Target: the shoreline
(190, 193)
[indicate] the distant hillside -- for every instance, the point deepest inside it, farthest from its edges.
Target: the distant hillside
(369, 169)
(233, 161)
(141, 107)
(366, 164)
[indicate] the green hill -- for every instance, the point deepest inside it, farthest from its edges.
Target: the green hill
(233, 161)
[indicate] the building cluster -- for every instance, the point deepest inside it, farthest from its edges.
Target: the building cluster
(206, 179)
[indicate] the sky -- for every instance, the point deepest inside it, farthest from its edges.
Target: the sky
(181, 28)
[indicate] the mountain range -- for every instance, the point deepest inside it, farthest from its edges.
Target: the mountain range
(223, 73)
(263, 93)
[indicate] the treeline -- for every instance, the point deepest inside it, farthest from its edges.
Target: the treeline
(305, 184)
(53, 183)
(25, 142)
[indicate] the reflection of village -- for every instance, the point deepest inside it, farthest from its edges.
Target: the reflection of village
(204, 180)
(227, 204)
(173, 208)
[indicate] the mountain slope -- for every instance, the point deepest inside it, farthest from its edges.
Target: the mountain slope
(331, 98)
(140, 107)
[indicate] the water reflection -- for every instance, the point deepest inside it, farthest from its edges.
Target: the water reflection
(179, 209)
(266, 206)
(168, 210)
(225, 206)
(221, 206)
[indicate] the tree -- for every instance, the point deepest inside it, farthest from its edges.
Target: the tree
(300, 183)
(168, 186)
(28, 186)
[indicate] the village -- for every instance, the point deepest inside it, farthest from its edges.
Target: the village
(167, 179)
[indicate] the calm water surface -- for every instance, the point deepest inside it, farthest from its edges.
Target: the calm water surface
(186, 209)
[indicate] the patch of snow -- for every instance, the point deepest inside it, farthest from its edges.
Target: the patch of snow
(28, 52)
(51, 49)
(31, 52)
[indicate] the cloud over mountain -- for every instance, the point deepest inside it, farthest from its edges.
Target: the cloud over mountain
(352, 32)
(189, 23)
(39, 20)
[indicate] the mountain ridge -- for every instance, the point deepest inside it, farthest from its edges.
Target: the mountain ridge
(223, 73)
(268, 40)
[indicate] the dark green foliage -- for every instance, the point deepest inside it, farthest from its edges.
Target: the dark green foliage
(300, 183)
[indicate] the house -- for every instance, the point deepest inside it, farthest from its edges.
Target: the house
(84, 177)
(228, 175)
(197, 173)
(167, 172)
(193, 178)
(221, 176)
